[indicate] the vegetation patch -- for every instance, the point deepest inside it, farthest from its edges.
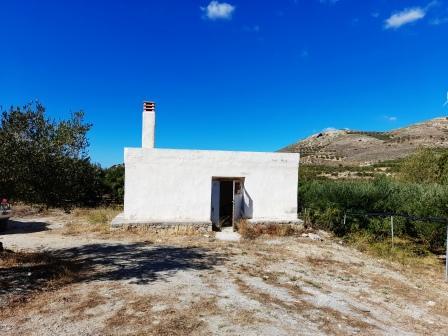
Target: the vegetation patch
(96, 220)
(329, 202)
(46, 162)
(383, 136)
(138, 314)
(404, 251)
(23, 274)
(252, 231)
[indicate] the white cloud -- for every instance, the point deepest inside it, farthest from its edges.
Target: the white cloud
(218, 10)
(404, 17)
(391, 118)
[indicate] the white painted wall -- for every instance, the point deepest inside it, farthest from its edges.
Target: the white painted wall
(148, 129)
(167, 185)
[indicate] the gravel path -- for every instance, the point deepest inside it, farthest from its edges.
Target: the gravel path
(136, 285)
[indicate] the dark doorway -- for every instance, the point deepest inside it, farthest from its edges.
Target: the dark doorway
(226, 203)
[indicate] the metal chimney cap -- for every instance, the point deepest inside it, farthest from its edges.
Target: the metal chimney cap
(149, 106)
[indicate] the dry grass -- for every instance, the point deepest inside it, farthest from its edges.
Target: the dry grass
(96, 220)
(327, 318)
(252, 231)
(24, 210)
(245, 317)
(328, 262)
(177, 307)
(186, 322)
(89, 301)
(17, 259)
(138, 313)
(262, 297)
(59, 271)
(177, 324)
(404, 251)
(27, 274)
(56, 271)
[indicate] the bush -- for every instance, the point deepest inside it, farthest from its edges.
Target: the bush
(328, 200)
(252, 231)
(91, 220)
(114, 182)
(427, 165)
(405, 251)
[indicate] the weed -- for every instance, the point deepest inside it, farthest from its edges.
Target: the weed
(405, 251)
(91, 220)
(25, 274)
(252, 231)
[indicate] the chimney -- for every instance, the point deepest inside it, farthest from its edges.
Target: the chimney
(149, 124)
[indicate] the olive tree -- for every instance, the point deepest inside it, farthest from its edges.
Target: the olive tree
(45, 161)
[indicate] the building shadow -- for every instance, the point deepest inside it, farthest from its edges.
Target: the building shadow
(248, 205)
(137, 263)
(15, 226)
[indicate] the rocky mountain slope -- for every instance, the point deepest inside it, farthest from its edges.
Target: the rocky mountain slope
(349, 147)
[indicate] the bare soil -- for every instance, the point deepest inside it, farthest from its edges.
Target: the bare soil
(136, 284)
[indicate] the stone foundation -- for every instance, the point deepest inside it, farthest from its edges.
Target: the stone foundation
(182, 228)
(291, 222)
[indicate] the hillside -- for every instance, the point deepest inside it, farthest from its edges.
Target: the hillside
(350, 147)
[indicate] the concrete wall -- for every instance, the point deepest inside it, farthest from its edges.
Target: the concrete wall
(148, 129)
(167, 185)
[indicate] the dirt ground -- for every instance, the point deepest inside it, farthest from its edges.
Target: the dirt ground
(143, 285)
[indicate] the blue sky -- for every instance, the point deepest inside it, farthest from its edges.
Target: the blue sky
(240, 75)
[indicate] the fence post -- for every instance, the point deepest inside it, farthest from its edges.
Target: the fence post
(345, 218)
(304, 218)
(446, 255)
(392, 229)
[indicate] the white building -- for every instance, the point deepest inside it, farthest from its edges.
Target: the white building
(165, 187)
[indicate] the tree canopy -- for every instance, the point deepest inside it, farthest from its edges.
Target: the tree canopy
(46, 161)
(427, 165)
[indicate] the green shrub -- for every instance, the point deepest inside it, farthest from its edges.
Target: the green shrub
(328, 200)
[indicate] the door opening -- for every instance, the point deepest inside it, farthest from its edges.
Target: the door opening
(226, 204)
(227, 201)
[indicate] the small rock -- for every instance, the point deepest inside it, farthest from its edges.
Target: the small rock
(312, 236)
(430, 303)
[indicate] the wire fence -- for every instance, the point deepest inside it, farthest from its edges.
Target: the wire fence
(392, 226)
